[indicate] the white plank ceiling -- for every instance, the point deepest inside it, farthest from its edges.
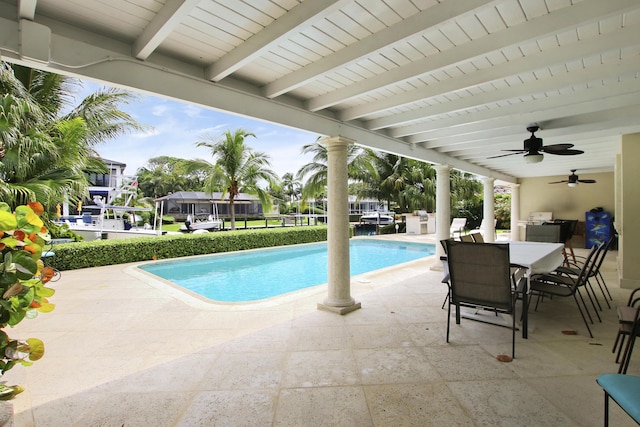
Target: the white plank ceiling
(446, 81)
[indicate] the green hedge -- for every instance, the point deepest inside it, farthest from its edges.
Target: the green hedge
(71, 256)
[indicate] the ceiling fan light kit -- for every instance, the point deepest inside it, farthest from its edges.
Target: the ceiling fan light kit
(573, 180)
(533, 148)
(533, 157)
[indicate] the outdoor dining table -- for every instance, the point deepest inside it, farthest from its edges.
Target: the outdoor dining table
(536, 257)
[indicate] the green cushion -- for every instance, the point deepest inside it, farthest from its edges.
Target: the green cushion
(625, 390)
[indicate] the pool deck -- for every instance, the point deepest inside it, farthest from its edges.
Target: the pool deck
(125, 349)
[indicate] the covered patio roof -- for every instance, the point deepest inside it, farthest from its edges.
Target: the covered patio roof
(449, 82)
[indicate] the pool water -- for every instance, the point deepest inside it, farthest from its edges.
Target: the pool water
(256, 275)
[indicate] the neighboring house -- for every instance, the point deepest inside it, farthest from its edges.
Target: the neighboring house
(356, 206)
(198, 203)
(108, 186)
(360, 206)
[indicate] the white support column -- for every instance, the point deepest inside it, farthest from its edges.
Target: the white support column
(488, 210)
(443, 207)
(339, 298)
(515, 212)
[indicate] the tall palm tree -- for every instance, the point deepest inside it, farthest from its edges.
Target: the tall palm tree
(236, 168)
(291, 186)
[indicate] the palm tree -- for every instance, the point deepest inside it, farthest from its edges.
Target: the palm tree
(165, 174)
(237, 168)
(410, 184)
(291, 186)
(358, 161)
(48, 152)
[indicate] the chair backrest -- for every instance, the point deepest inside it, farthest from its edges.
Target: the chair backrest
(588, 266)
(477, 237)
(549, 233)
(567, 228)
(466, 238)
(480, 274)
(457, 225)
(603, 248)
(443, 242)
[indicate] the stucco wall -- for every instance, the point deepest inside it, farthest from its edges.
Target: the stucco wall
(564, 202)
(537, 195)
(629, 248)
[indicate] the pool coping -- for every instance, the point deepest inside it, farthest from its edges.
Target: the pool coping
(366, 281)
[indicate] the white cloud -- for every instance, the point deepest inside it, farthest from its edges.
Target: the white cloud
(177, 126)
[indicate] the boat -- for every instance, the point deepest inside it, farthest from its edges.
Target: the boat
(105, 220)
(380, 218)
(209, 223)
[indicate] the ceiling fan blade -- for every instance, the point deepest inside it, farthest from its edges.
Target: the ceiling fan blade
(558, 182)
(566, 152)
(587, 181)
(553, 148)
(510, 154)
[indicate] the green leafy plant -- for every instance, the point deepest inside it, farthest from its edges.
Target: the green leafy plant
(23, 277)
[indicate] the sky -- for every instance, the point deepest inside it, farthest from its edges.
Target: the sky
(174, 129)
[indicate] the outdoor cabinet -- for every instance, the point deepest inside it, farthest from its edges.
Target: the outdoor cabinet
(597, 228)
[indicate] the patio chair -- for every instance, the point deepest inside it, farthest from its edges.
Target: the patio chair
(549, 233)
(481, 228)
(622, 389)
(567, 230)
(480, 275)
(466, 238)
(457, 226)
(627, 318)
(477, 237)
(445, 267)
(574, 268)
(563, 285)
(632, 330)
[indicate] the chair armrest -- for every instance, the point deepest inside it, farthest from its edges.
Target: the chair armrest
(557, 279)
(632, 296)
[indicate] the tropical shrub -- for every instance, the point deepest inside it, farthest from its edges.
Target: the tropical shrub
(71, 256)
(22, 284)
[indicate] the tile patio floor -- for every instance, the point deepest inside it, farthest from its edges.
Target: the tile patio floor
(124, 350)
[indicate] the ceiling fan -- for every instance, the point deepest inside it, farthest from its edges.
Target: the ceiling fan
(533, 148)
(572, 180)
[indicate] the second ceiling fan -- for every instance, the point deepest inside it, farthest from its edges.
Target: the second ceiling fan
(573, 180)
(533, 148)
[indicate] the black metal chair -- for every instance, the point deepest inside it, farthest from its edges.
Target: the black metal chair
(573, 268)
(627, 318)
(480, 276)
(549, 233)
(564, 285)
(477, 237)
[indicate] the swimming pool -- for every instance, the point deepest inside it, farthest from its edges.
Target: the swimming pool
(256, 275)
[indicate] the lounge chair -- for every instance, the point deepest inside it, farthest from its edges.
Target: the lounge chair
(457, 226)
